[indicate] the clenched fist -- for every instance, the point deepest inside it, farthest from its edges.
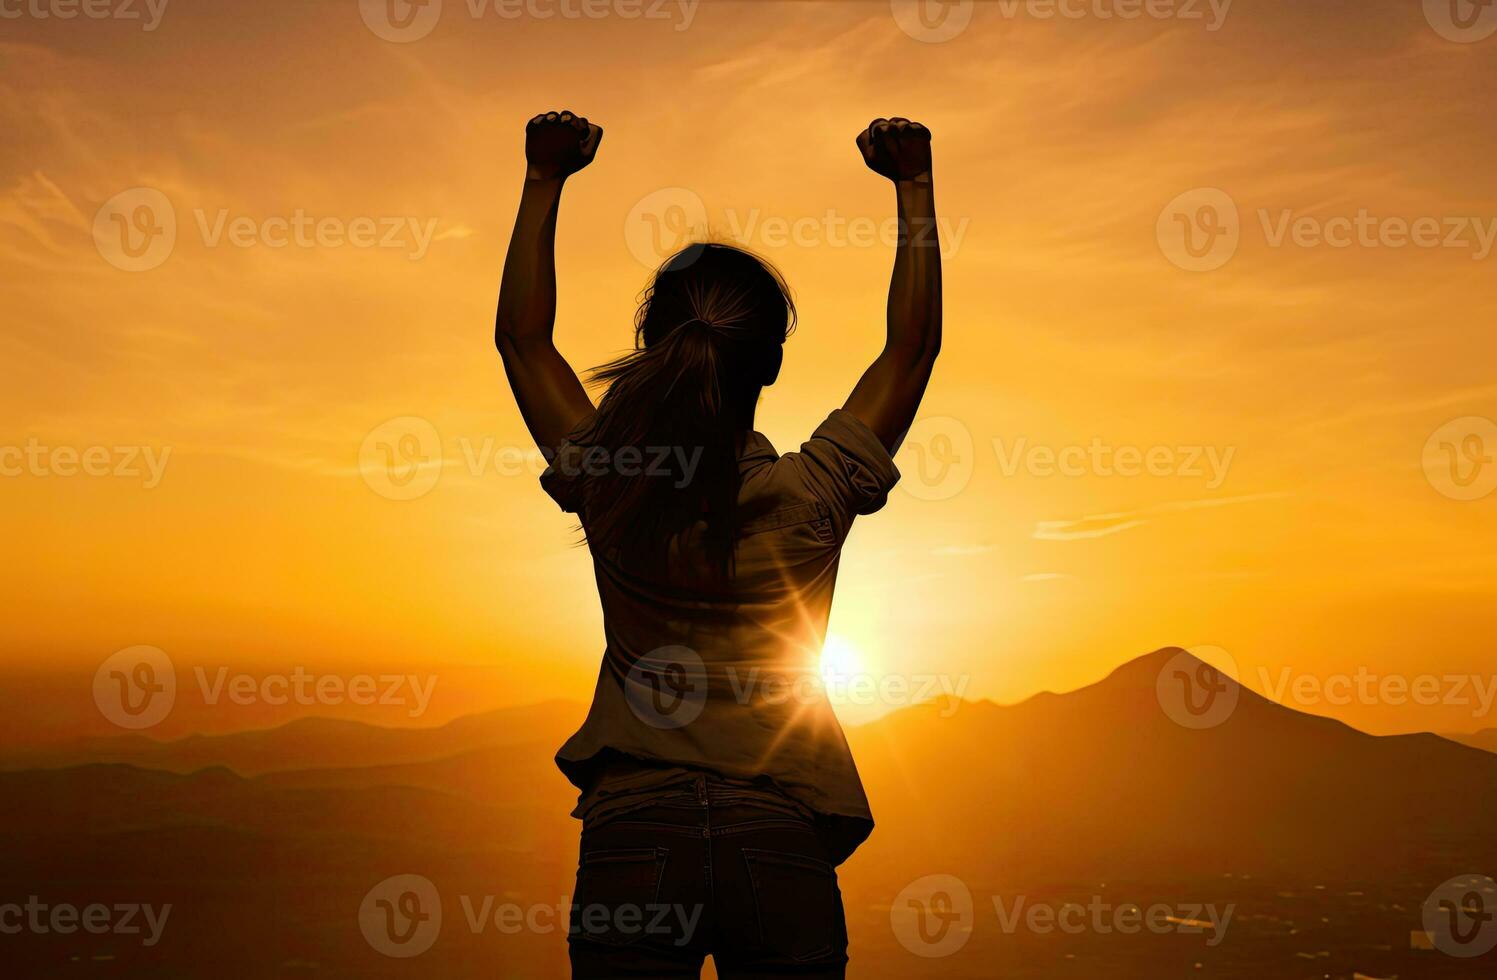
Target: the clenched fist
(558, 144)
(897, 148)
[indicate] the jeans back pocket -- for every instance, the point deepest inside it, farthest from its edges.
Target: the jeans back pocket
(617, 895)
(798, 905)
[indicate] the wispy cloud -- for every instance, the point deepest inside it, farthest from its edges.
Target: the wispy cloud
(456, 231)
(961, 551)
(1101, 525)
(1475, 397)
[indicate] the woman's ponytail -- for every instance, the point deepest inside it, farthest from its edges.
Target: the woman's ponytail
(663, 443)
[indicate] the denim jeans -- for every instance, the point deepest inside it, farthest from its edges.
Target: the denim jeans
(706, 869)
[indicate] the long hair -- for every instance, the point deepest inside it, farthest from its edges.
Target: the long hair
(707, 337)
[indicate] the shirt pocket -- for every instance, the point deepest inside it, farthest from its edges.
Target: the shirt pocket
(811, 517)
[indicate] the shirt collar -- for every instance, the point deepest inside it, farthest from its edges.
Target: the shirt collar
(756, 449)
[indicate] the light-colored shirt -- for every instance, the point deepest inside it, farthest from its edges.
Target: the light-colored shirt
(702, 673)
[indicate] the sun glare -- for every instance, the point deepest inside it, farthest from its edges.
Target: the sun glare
(840, 661)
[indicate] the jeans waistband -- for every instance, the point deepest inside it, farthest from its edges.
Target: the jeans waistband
(704, 792)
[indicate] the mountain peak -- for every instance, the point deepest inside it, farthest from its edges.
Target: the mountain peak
(1145, 671)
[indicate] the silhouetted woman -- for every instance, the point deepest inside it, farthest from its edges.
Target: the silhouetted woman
(718, 794)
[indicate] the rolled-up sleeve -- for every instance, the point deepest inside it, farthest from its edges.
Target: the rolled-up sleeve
(846, 466)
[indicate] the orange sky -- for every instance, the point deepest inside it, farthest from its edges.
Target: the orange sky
(1314, 375)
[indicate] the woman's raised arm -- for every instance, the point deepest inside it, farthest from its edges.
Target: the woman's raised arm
(552, 399)
(888, 395)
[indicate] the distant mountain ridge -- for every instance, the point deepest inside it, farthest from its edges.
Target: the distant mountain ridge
(1103, 778)
(1062, 794)
(1486, 739)
(1099, 776)
(310, 743)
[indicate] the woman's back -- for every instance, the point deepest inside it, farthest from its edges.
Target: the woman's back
(722, 672)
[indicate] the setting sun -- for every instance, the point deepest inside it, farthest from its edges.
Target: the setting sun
(840, 661)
